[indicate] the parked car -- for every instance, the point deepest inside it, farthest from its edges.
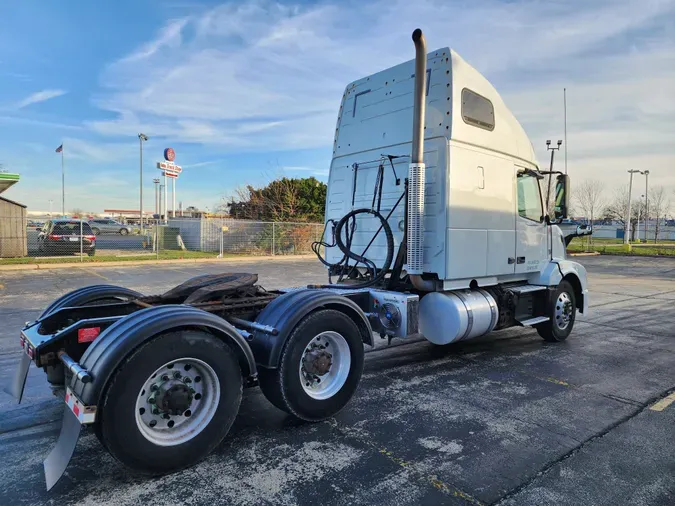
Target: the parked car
(107, 226)
(59, 237)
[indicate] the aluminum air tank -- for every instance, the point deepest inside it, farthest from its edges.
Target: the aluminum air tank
(446, 317)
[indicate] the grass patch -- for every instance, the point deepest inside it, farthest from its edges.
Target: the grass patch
(615, 247)
(163, 255)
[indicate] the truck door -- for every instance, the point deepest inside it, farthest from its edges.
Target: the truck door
(531, 245)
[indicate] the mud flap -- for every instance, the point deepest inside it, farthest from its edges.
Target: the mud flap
(56, 462)
(19, 381)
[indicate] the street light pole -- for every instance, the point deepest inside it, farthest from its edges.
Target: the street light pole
(646, 173)
(141, 138)
(50, 207)
(626, 235)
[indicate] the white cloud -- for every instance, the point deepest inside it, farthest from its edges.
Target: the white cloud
(39, 96)
(170, 36)
(312, 170)
(264, 76)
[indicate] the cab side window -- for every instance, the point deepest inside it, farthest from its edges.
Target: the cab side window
(529, 197)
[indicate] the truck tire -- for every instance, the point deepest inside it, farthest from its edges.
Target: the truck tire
(320, 367)
(562, 312)
(171, 402)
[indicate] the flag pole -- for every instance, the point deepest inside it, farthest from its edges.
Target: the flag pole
(63, 186)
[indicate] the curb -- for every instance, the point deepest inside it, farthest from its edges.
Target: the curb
(133, 263)
(585, 254)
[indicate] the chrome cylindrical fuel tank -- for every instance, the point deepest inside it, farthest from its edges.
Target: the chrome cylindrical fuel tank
(446, 317)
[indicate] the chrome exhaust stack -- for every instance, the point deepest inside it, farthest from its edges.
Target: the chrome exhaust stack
(416, 170)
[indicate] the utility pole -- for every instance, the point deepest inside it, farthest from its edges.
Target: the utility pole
(141, 138)
(626, 235)
(50, 207)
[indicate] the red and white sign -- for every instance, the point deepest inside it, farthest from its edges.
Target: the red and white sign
(170, 174)
(169, 154)
(169, 167)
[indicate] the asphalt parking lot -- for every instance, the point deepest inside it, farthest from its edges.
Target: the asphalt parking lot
(506, 419)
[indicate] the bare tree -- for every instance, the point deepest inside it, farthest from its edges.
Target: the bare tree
(617, 209)
(659, 204)
(588, 196)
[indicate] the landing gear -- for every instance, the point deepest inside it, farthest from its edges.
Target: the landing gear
(171, 402)
(320, 367)
(562, 313)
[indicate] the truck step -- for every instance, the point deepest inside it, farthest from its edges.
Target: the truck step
(527, 288)
(533, 321)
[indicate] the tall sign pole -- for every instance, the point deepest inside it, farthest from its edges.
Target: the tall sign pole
(166, 198)
(173, 195)
(141, 138)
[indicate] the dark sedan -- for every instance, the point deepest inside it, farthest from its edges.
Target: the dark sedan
(60, 237)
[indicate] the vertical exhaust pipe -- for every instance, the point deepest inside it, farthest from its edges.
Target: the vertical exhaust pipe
(416, 169)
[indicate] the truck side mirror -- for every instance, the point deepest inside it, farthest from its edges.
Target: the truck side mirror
(562, 197)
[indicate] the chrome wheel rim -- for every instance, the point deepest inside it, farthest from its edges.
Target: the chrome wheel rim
(563, 311)
(325, 365)
(177, 402)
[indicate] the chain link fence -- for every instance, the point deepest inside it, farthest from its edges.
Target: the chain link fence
(26, 241)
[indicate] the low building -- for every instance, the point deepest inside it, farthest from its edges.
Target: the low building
(13, 236)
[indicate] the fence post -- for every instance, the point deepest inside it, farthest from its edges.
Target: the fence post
(222, 232)
(81, 238)
(273, 234)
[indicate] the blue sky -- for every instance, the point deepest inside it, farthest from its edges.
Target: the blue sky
(247, 91)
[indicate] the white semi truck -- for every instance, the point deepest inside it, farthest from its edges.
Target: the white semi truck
(435, 225)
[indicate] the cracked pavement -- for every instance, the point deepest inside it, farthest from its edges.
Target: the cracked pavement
(504, 419)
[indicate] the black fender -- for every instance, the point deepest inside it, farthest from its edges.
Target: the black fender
(87, 294)
(286, 311)
(108, 351)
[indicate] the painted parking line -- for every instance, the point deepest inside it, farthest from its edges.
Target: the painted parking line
(663, 403)
(93, 273)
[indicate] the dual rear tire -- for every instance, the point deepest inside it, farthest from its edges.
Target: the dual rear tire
(320, 367)
(171, 402)
(175, 398)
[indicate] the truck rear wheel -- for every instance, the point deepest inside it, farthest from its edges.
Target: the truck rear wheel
(320, 367)
(562, 312)
(171, 402)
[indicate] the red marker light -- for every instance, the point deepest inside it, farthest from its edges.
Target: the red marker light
(87, 335)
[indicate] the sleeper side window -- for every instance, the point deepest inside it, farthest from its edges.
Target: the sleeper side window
(477, 110)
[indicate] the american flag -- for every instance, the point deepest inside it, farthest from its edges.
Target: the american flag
(59, 149)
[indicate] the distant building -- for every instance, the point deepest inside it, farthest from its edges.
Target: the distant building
(13, 236)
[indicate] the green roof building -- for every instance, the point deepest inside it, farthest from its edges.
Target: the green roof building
(7, 179)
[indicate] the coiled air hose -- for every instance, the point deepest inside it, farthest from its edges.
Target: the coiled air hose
(349, 254)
